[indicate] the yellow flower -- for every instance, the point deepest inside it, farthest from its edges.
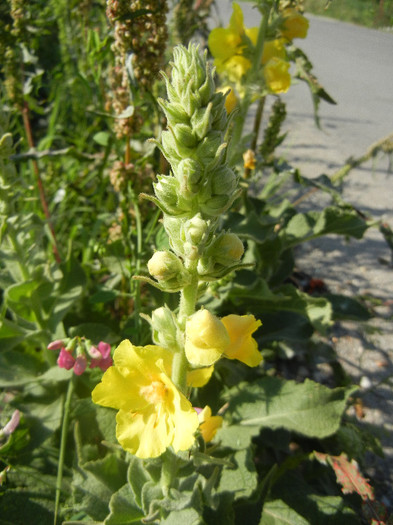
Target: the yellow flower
(227, 45)
(208, 424)
(152, 413)
(295, 25)
(276, 75)
(231, 99)
(199, 376)
(273, 49)
(242, 346)
(206, 338)
(249, 159)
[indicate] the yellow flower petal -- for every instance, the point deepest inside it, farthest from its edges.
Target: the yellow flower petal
(277, 77)
(273, 49)
(209, 424)
(199, 377)
(223, 43)
(242, 346)
(153, 414)
(295, 25)
(230, 100)
(206, 338)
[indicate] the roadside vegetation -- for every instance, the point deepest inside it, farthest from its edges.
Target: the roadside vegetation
(369, 13)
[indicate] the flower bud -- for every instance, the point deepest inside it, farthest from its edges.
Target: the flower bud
(80, 365)
(66, 359)
(168, 269)
(227, 250)
(164, 328)
(195, 229)
(224, 181)
(206, 338)
(164, 265)
(56, 345)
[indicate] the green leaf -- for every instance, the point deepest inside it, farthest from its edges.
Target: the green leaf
(275, 403)
(18, 369)
(278, 513)
(182, 517)
(123, 509)
(333, 219)
(137, 477)
(102, 138)
(242, 479)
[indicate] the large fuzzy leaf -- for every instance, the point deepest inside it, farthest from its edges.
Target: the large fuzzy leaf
(275, 403)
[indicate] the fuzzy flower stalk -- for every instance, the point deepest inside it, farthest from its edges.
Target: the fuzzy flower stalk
(149, 386)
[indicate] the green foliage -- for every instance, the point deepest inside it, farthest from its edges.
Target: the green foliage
(74, 234)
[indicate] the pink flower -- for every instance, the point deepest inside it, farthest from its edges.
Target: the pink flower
(105, 359)
(80, 365)
(65, 359)
(55, 345)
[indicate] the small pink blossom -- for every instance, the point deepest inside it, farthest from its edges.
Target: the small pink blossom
(105, 359)
(80, 365)
(65, 359)
(55, 345)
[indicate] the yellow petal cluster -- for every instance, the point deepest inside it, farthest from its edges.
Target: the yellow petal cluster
(208, 424)
(231, 49)
(227, 45)
(152, 413)
(295, 25)
(208, 338)
(277, 77)
(242, 345)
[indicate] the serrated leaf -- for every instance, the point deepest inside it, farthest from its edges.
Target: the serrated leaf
(348, 475)
(275, 403)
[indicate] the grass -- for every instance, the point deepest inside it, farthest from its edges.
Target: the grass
(369, 13)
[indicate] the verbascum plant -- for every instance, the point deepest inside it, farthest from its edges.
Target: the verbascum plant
(149, 386)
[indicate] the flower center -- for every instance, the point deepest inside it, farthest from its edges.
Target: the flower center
(155, 392)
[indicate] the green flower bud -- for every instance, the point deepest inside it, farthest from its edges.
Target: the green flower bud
(201, 121)
(207, 148)
(173, 227)
(168, 192)
(216, 205)
(224, 181)
(164, 328)
(184, 134)
(169, 271)
(227, 250)
(164, 265)
(195, 229)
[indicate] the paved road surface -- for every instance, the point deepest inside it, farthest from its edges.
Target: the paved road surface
(355, 65)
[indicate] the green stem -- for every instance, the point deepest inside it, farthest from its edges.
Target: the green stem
(188, 299)
(63, 443)
(247, 99)
(137, 284)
